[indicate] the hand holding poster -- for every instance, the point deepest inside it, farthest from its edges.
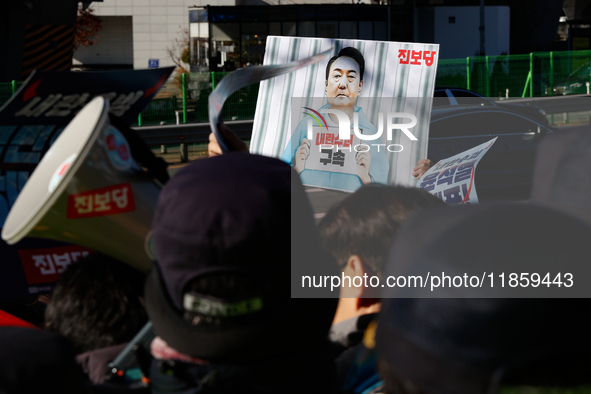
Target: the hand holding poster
(452, 179)
(361, 116)
(244, 77)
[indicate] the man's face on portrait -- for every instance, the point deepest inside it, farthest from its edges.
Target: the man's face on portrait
(344, 83)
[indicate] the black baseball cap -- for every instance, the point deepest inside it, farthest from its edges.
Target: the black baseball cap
(230, 214)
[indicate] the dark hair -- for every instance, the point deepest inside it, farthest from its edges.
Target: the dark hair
(366, 222)
(96, 303)
(352, 53)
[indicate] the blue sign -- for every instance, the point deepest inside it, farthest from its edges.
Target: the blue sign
(153, 63)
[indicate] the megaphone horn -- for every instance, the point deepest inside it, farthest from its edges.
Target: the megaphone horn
(88, 190)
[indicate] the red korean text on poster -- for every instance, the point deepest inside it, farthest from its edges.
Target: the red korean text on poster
(110, 200)
(416, 58)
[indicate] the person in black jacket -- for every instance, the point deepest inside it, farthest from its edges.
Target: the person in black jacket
(219, 294)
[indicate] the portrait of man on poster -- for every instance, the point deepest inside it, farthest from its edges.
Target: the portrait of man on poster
(343, 85)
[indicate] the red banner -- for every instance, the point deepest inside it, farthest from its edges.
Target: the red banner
(109, 200)
(45, 265)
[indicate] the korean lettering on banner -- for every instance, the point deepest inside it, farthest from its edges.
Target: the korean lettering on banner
(34, 117)
(407, 56)
(452, 179)
(110, 200)
(329, 153)
(22, 148)
(55, 98)
(68, 105)
(45, 265)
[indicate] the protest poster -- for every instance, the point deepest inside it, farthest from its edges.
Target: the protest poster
(452, 179)
(338, 161)
(383, 91)
(246, 76)
(29, 123)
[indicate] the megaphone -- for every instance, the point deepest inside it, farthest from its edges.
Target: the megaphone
(88, 190)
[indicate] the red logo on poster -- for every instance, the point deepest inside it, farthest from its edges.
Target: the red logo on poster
(45, 265)
(406, 56)
(109, 200)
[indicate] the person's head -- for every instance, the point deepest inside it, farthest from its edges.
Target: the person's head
(359, 230)
(36, 361)
(219, 290)
(460, 336)
(344, 78)
(96, 303)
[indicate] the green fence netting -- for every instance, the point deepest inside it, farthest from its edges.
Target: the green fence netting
(535, 75)
(190, 104)
(7, 90)
(183, 99)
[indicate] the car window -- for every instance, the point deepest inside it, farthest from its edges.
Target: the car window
(463, 93)
(483, 123)
(473, 100)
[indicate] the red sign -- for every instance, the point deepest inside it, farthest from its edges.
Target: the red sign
(109, 200)
(45, 265)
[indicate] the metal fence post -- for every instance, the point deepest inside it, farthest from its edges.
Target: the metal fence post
(551, 73)
(13, 87)
(527, 81)
(212, 81)
(183, 147)
(468, 73)
(184, 153)
(184, 83)
(139, 120)
(531, 73)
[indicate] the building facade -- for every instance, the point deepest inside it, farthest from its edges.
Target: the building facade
(226, 34)
(224, 38)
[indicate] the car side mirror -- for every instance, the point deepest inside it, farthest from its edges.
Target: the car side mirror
(541, 132)
(532, 135)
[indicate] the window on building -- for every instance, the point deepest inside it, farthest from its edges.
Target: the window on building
(306, 29)
(348, 29)
(199, 33)
(254, 39)
(225, 46)
(327, 29)
(289, 29)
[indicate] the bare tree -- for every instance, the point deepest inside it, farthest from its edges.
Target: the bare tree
(180, 52)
